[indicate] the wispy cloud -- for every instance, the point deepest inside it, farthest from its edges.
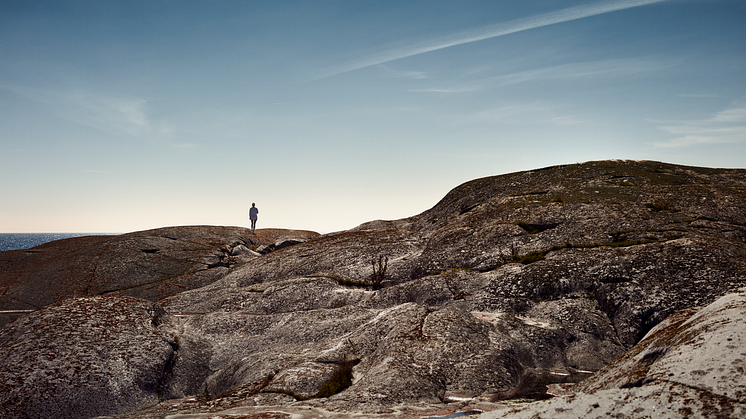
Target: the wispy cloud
(119, 115)
(107, 113)
(403, 74)
(490, 31)
(727, 126)
(607, 68)
(436, 90)
(699, 96)
(532, 113)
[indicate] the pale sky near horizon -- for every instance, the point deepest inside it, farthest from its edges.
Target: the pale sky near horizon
(118, 116)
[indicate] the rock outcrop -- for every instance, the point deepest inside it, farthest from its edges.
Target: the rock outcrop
(85, 357)
(150, 264)
(691, 365)
(554, 272)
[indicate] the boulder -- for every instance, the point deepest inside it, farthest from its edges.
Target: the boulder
(85, 357)
(280, 243)
(241, 250)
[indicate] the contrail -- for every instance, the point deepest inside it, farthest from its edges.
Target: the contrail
(491, 31)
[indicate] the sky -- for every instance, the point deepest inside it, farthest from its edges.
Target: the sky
(120, 116)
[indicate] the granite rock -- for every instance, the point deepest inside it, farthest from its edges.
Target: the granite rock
(546, 272)
(689, 366)
(85, 357)
(150, 264)
(643, 239)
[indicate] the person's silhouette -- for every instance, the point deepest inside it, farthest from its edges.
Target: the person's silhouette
(253, 212)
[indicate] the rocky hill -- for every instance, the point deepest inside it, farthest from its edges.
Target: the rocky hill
(150, 264)
(508, 283)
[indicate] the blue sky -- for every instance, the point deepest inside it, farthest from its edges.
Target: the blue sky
(118, 116)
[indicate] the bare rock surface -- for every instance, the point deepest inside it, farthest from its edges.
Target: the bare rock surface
(150, 264)
(643, 239)
(689, 366)
(85, 357)
(549, 272)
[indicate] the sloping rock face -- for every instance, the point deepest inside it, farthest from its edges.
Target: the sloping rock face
(150, 264)
(557, 271)
(691, 365)
(643, 239)
(85, 357)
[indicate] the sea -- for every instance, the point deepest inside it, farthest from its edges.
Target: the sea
(14, 241)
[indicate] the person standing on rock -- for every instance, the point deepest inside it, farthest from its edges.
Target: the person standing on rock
(253, 212)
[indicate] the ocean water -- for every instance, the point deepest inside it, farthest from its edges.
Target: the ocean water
(12, 241)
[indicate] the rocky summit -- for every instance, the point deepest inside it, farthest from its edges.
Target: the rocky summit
(627, 275)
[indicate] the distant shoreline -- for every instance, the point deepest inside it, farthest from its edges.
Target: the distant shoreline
(23, 241)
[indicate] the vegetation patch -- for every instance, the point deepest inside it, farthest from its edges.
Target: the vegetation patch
(537, 255)
(525, 259)
(348, 282)
(379, 271)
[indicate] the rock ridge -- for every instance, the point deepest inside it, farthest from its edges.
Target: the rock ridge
(546, 272)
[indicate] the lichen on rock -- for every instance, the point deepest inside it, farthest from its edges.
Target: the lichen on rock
(550, 271)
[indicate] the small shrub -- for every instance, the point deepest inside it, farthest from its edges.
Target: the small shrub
(379, 271)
